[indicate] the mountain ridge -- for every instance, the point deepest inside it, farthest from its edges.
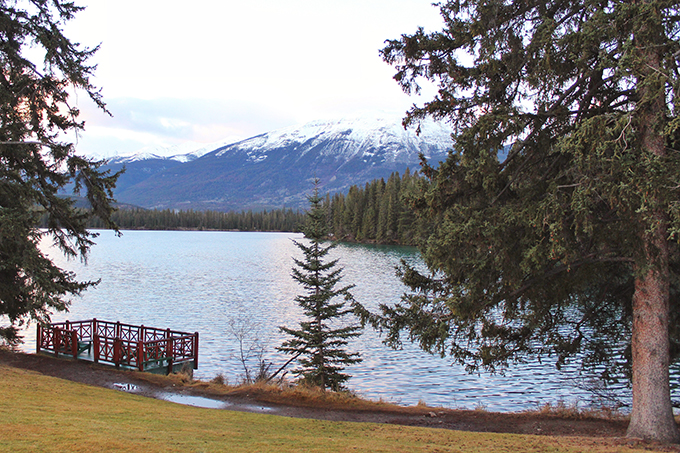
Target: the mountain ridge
(276, 169)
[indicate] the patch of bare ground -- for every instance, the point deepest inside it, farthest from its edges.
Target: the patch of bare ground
(594, 428)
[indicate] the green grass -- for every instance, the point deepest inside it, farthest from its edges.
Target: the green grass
(44, 414)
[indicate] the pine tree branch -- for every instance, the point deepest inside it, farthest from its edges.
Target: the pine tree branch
(566, 268)
(30, 142)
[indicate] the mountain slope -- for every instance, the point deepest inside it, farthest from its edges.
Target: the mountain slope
(275, 169)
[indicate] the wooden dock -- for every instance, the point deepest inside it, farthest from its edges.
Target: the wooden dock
(121, 345)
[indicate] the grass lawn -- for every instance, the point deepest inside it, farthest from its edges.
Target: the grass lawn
(46, 414)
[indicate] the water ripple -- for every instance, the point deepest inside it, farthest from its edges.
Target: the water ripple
(203, 281)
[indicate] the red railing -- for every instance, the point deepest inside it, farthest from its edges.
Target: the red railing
(120, 344)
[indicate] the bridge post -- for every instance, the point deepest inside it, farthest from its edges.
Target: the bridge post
(195, 350)
(140, 354)
(38, 339)
(74, 344)
(57, 341)
(95, 345)
(170, 348)
(117, 343)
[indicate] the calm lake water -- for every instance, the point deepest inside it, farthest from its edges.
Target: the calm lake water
(210, 281)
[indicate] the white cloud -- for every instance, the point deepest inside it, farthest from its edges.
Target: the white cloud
(172, 71)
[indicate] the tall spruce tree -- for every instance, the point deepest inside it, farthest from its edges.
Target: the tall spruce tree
(569, 241)
(321, 340)
(35, 164)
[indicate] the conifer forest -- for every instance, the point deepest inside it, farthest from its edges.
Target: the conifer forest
(378, 213)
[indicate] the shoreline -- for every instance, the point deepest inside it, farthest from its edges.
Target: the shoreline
(260, 400)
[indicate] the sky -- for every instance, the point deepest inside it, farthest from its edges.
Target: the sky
(176, 73)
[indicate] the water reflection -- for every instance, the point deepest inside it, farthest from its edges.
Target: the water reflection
(196, 401)
(201, 281)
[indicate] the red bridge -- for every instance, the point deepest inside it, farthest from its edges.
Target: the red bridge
(123, 345)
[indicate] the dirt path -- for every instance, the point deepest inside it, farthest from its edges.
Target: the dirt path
(480, 421)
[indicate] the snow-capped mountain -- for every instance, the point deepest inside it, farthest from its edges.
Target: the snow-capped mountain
(275, 169)
(184, 152)
(349, 138)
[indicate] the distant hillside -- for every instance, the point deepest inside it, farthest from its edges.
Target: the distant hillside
(276, 169)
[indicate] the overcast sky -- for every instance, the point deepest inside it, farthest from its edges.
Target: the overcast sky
(204, 71)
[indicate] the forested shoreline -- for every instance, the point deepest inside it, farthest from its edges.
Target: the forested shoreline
(374, 213)
(287, 220)
(377, 213)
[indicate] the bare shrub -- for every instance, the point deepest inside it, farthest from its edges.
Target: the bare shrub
(251, 350)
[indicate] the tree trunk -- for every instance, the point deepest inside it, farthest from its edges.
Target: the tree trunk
(652, 414)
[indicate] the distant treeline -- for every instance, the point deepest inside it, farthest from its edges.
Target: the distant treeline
(147, 219)
(376, 213)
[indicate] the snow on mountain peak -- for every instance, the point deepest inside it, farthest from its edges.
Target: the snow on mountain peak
(275, 168)
(183, 152)
(369, 130)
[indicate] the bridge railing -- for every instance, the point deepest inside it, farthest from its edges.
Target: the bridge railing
(120, 344)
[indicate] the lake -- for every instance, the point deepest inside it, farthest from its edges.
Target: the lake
(211, 282)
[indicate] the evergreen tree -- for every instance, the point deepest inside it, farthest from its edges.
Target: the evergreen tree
(320, 341)
(35, 164)
(569, 241)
